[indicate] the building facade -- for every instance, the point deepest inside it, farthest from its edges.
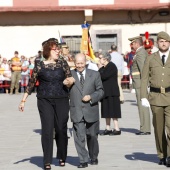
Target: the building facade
(24, 24)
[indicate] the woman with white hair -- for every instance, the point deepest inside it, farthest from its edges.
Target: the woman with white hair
(110, 104)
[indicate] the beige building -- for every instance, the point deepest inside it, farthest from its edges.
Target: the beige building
(25, 25)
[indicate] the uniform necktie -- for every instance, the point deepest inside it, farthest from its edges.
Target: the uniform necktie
(163, 59)
(81, 80)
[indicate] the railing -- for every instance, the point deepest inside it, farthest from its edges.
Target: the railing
(125, 82)
(4, 84)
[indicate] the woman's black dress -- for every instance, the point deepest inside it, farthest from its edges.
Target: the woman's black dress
(110, 104)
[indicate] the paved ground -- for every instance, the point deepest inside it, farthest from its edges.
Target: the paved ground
(20, 144)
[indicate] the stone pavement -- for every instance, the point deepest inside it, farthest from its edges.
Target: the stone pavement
(20, 143)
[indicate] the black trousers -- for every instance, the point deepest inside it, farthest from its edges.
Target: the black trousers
(54, 114)
(86, 131)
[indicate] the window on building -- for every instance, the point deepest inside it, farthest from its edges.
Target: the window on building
(104, 41)
(73, 42)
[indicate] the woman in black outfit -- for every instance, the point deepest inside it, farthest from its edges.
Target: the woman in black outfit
(52, 100)
(110, 104)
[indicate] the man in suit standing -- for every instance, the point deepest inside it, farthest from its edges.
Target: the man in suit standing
(156, 72)
(84, 96)
(137, 67)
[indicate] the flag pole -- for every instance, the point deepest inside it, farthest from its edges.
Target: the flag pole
(59, 36)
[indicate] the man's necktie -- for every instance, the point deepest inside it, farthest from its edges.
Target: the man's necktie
(81, 80)
(163, 59)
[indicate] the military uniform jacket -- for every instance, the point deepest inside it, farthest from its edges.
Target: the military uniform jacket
(158, 75)
(137, 67)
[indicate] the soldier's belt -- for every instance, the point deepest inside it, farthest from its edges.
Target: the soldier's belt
(135, 73)
(160, 90)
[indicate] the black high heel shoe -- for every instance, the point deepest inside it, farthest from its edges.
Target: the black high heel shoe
(61, 162)
(47, 167)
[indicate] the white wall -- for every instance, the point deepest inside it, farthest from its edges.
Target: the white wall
(129, 31)
(27, 39)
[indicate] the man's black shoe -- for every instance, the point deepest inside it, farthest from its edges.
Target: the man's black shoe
(94, 162)
(143, 133)
(83, 165)
(168, 162)
(162, 161)
(106, 132)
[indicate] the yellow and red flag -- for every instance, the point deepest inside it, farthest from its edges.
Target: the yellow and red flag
(86, 45)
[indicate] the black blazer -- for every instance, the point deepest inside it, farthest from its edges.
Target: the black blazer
(109, 80)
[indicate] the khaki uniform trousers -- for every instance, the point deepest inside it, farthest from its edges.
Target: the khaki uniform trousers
(16, 76)
(119, 78)
(161, 123)
(144, 114)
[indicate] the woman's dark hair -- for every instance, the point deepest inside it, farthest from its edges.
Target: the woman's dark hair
(47, 48)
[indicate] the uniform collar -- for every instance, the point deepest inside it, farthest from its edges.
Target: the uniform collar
(165, 53)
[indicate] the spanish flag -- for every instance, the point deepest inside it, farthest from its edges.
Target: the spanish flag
(86, 45)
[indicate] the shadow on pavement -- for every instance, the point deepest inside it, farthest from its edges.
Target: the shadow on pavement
(142, 157)
(134, 104)
(72, 160)
(69, 130)
(36, 160)
(37, 131)
(130, 130)
(131, 101)
(101, 131)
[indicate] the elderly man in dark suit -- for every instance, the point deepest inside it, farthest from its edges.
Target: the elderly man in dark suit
(156, 73)
(137, 67)
(84, 109)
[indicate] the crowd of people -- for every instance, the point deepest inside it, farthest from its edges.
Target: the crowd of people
(16, 72)
(76, 84)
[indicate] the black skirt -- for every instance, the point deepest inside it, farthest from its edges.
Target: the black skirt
(110, 107)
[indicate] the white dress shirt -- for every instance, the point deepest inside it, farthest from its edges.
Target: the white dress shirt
(166, 55)
(84, 73)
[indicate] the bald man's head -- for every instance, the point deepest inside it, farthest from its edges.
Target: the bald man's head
(80, 55)
(80, 62)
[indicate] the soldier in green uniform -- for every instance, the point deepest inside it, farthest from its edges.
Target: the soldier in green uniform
(137, 67)
(156, 72)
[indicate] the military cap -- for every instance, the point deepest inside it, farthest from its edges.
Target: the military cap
(134, 38)
(64, 45)
(163, 35)
(51, 39)
(148, 44)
